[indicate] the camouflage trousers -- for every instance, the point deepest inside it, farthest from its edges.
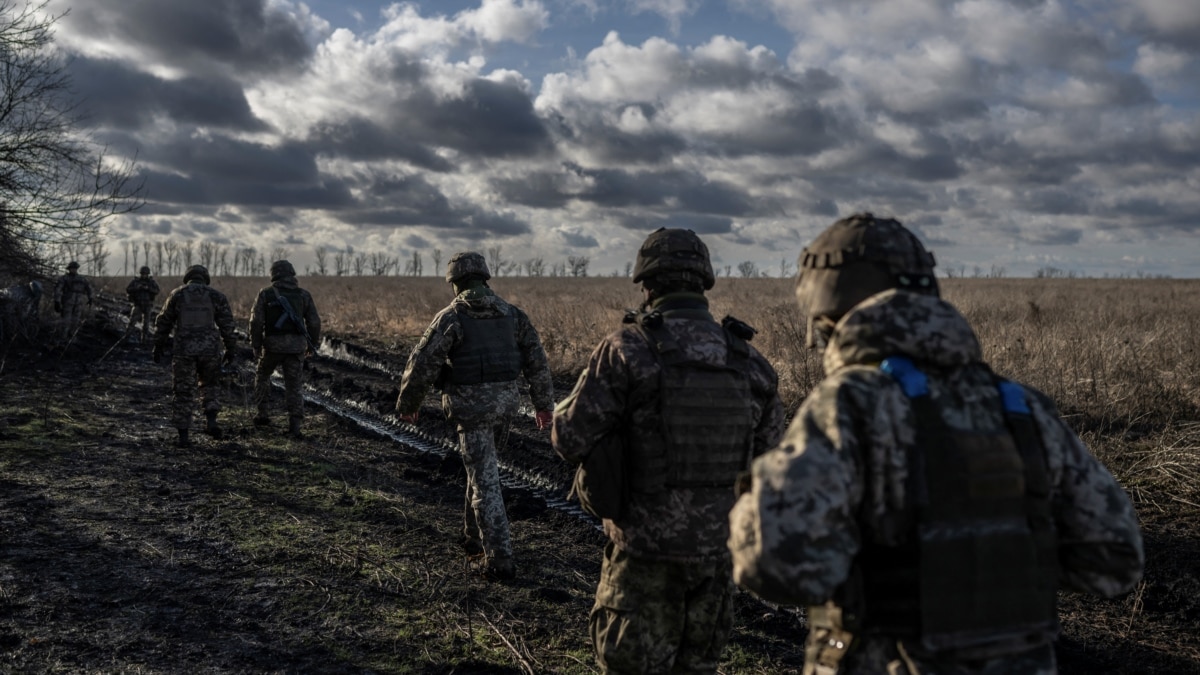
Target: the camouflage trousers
(485, 519)
(654, 616)
(72, 315)
(880, 654)
(143, 313)
(293, 382)
(186, 372)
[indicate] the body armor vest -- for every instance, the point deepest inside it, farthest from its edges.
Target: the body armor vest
(196, 308)
(488, 351)
(981, 559)
(706, 412)
(277, 320)
(72, 286)
(142, 291)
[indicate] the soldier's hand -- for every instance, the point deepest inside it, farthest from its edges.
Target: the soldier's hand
(410, 418)
(544, 419)
(743, 483)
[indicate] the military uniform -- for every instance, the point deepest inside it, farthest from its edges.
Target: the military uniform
(690, 404)
(926, 510)
(72, 296)
(478, 347)
(19, 310)
(202, 323)
(278, 342)
(141, 292)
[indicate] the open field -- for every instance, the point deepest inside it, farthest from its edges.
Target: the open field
(336, 553)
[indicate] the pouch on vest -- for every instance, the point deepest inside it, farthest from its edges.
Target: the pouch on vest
(601, 482)
(196, 308)
(488, 351)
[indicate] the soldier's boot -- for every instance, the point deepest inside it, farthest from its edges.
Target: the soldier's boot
(294, 423)
(210, 426)
(183, 441)
(500, 568)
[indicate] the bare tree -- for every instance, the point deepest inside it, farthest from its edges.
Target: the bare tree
(535, 267)
(171, 252)
(341, 261)
(321, 254)
(628, 268)
(579, 265)
(98, 259)
(360, 264)
(412, 268)
(208, 254)
(129, 247)
(278, 253)
(146, 248)
(748, 269)
(159, 257)
(381, 263)
(222, 260)
(56, 184)
(785, 268)
(188, 250)
(436, 254)
(496, 259)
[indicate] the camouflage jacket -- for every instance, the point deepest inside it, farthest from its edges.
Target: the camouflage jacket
(287, 343)
(72, 288)
(840, 474)
(204, 341)
(475, 403)
(141, 291)
(685, 524)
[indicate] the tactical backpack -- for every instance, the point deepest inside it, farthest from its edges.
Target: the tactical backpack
(277, 319)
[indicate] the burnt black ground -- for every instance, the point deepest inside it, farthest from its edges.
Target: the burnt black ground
(338, 553)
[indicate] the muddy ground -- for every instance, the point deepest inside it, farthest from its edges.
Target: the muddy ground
(338, 553)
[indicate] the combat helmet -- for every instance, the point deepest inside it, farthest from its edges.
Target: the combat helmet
(281, 269)
(465, 264)
(674, 252)
(145, 271)
(72, 265)
(855, 258)
(197, 272)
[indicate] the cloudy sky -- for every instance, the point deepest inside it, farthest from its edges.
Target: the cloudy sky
(1020, 134)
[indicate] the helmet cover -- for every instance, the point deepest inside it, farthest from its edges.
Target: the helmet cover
(673, 250)
(465, 264)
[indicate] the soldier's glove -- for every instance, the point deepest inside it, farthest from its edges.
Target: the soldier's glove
(410, 418)
(58, 306)
(544, 419)
(157, 354)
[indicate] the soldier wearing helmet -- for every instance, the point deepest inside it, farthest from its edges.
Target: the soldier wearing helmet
(926, 510)
(141, 292)
(202, 323)
(285, 328)
(476, 350)
(72, 295)
(686, 401)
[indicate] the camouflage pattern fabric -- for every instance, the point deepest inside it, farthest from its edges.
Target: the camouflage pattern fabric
(484, 517)
(196, 352)
(200, 341)
(840, 476)
(616, 393)
(287, 343)
(141, 293)
(478, 409)
(654, 616)
(187, 372)
(293, 381)
(73, 292)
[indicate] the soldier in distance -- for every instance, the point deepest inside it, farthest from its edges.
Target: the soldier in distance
(141, 291)
(285, 329)
(477, 349)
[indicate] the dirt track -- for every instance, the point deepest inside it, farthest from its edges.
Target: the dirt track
(119, 552)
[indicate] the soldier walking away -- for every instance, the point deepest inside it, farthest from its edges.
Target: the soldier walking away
(72, 295)
(200, 318)
(141, 293)
(284, 329)
(476, 350)
(689, 402)
(925, 509)
(20, 308)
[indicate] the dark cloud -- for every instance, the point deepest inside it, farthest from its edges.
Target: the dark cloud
(396, 201)
(579, 239)
(491, 119)
(116, 96)
(1056, 201)
(360, 139)
(1050, 235)
(416, 241)
(705, 225)
(235, 36)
